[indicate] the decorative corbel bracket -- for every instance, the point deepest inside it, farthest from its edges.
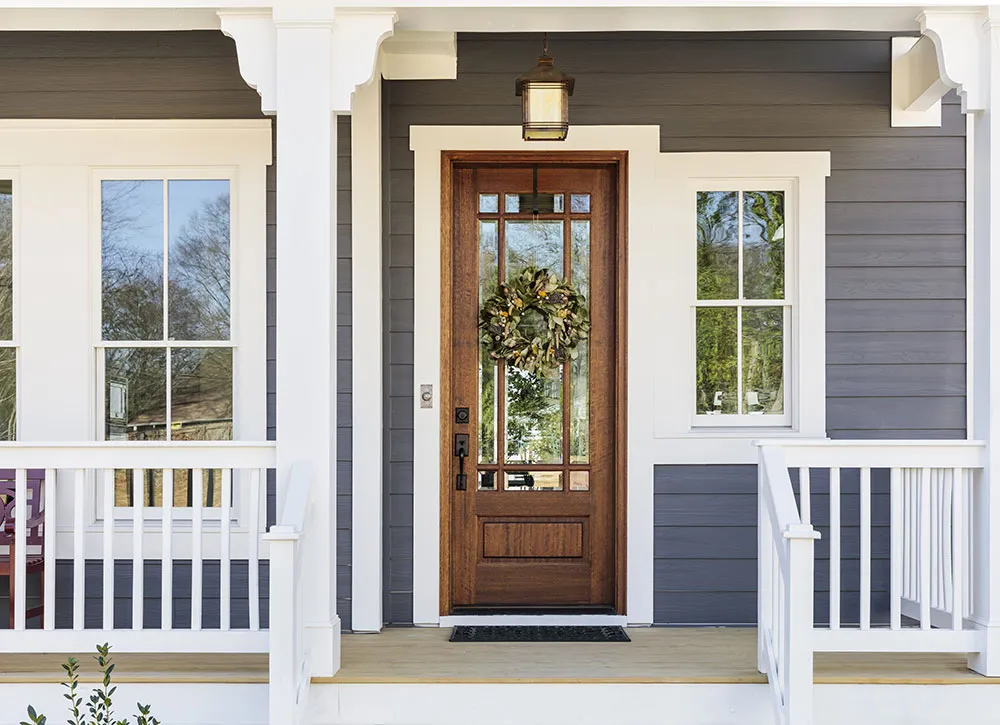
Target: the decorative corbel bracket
(256, 47)
(357, 37)
(959, 37)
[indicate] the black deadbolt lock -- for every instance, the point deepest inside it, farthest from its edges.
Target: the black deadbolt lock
(462, 415)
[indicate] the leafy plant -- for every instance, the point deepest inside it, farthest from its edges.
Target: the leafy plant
(99, 707)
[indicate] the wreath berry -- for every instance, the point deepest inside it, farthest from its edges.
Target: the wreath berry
(534, 321)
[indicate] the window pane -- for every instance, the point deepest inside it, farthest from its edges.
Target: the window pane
(6, 260)
(534, 243)
(533, 481)
(201, 394)
(132, 260)
(488, 259)
(716, 360)
(764, 245)
(534, 422)
(135, 394)
(489, 203)
(150, 484)
(718, 245)
(579, 203)
(8, 394)
(763, 360)
(198, 261)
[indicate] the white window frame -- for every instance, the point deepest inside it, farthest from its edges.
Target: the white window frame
(802, 177)
(11, 174)
(245, 324)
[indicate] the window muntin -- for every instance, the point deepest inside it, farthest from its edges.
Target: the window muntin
(742, 313)
(8, 350)
(166, 350)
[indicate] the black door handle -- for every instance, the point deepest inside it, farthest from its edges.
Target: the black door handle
(462, 451)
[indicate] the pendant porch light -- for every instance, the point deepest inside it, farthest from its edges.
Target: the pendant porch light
(545, 93)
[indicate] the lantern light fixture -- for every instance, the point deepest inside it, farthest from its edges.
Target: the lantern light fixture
(545, 92)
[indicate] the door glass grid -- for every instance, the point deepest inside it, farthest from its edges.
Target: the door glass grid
(537, 423)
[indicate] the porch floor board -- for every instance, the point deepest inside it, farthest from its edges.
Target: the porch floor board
(655, 655)
(140, 668)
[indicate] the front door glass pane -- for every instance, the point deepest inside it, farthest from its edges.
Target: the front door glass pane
(533, 413)
(488, 271)
(579, 373)
(534, 244)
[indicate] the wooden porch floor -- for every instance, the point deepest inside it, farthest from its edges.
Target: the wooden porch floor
(413, 656)
(655, 655)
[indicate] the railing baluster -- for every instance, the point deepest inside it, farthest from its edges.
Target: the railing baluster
(107, 476)
(866, 547)
(49, 536)
(79, 562)
(834, 548)
(805, 496)
(934, 545)
(910, 544)
(225, 571)
(253, 560)
(138, 567)
(946, 577)
(196, 558)
(20, 559)
(896, 535)
(925, 548)
(167, 554)
(957, 550)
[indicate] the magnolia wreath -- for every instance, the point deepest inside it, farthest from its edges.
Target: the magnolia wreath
(534, 321)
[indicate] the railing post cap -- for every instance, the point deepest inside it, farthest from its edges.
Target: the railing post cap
(801, 531)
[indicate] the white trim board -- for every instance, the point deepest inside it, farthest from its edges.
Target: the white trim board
(539, 620)
(650, 176)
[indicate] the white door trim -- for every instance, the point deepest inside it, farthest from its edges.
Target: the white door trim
(427, 143)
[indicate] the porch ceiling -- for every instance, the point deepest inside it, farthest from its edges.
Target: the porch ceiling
(655, 656)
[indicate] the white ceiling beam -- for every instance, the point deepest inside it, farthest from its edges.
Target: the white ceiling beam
(917, 85)
(418, 55)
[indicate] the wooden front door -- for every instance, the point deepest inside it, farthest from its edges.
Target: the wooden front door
(533, 521)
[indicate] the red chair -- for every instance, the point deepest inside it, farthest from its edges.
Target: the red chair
(34, 539)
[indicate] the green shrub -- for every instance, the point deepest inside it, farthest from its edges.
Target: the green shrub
(99, 708)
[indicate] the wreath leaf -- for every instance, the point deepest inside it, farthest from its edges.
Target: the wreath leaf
(563, 311)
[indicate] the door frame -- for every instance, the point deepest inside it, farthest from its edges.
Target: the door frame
(618, 160)
(422, 443)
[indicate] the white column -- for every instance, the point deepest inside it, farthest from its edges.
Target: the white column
(306, 286)
(985, 317)
(366, 296)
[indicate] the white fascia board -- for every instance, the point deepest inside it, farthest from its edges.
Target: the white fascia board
(477, 16)
(420, 55)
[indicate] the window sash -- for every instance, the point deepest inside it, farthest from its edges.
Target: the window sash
(748, 420)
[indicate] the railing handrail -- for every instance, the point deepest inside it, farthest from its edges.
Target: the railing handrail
(778, 490)
(823, 452)
(138, 454)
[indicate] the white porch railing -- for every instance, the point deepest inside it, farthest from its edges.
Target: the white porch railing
(82, 531)
(289, 657)
(785, 586)
(928, 486)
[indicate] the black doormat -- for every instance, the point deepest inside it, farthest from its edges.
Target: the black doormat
(509, 633)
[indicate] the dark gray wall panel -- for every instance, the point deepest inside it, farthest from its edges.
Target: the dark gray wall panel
(183, 75)
(895, 251)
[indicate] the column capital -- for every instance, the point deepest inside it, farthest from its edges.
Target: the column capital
(357, 37)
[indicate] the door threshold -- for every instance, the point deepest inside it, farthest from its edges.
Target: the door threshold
(542, 620)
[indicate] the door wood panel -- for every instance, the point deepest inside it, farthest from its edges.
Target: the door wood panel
(541, 520)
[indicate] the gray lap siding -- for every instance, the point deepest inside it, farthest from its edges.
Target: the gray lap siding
(895, 264)
(180, 75)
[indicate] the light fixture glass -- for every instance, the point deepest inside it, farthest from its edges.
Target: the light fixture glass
(545, 93)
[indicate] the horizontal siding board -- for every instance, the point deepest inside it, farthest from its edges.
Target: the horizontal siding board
(693, 89)
(895, 218)
(862, 316)
(895, 250)
(896, 185)
(884, 412)
(877, 381)
(896, 348)
(895, 283)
